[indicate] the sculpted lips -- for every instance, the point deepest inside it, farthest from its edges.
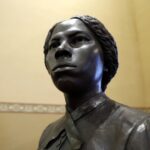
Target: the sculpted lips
(63, 67)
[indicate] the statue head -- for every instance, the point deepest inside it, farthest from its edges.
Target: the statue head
(89, 54)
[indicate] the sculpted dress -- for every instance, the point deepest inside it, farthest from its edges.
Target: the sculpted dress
(99, 124)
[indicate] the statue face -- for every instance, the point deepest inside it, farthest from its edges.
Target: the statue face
(74, 58)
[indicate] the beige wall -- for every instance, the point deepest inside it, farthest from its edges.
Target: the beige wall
(142, 18)
(19, 131)
(24, 25)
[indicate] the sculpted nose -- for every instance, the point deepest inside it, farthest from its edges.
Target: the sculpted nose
(63, 54)
(63, 51)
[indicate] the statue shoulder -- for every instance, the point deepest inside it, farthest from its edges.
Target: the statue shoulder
(139, 138)
(52, 131)
(136, 125)
(130, 115)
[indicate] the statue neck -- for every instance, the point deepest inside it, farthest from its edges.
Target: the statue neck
(74, 100)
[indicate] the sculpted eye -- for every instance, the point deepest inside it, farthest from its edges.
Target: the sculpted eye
(54, 45)
(79, 40)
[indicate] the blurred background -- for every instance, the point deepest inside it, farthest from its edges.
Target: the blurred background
(28, 99)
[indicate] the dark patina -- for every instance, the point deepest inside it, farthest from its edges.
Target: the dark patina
(81, 57)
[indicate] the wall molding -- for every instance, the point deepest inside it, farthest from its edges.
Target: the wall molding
(39, 108)
(31, 108)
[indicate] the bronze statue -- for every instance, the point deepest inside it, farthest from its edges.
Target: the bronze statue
(81, 57)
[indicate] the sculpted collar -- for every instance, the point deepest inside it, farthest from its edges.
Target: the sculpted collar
(72, 131)
(66, 124)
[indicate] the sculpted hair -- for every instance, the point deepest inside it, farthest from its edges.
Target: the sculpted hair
(107, 42)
